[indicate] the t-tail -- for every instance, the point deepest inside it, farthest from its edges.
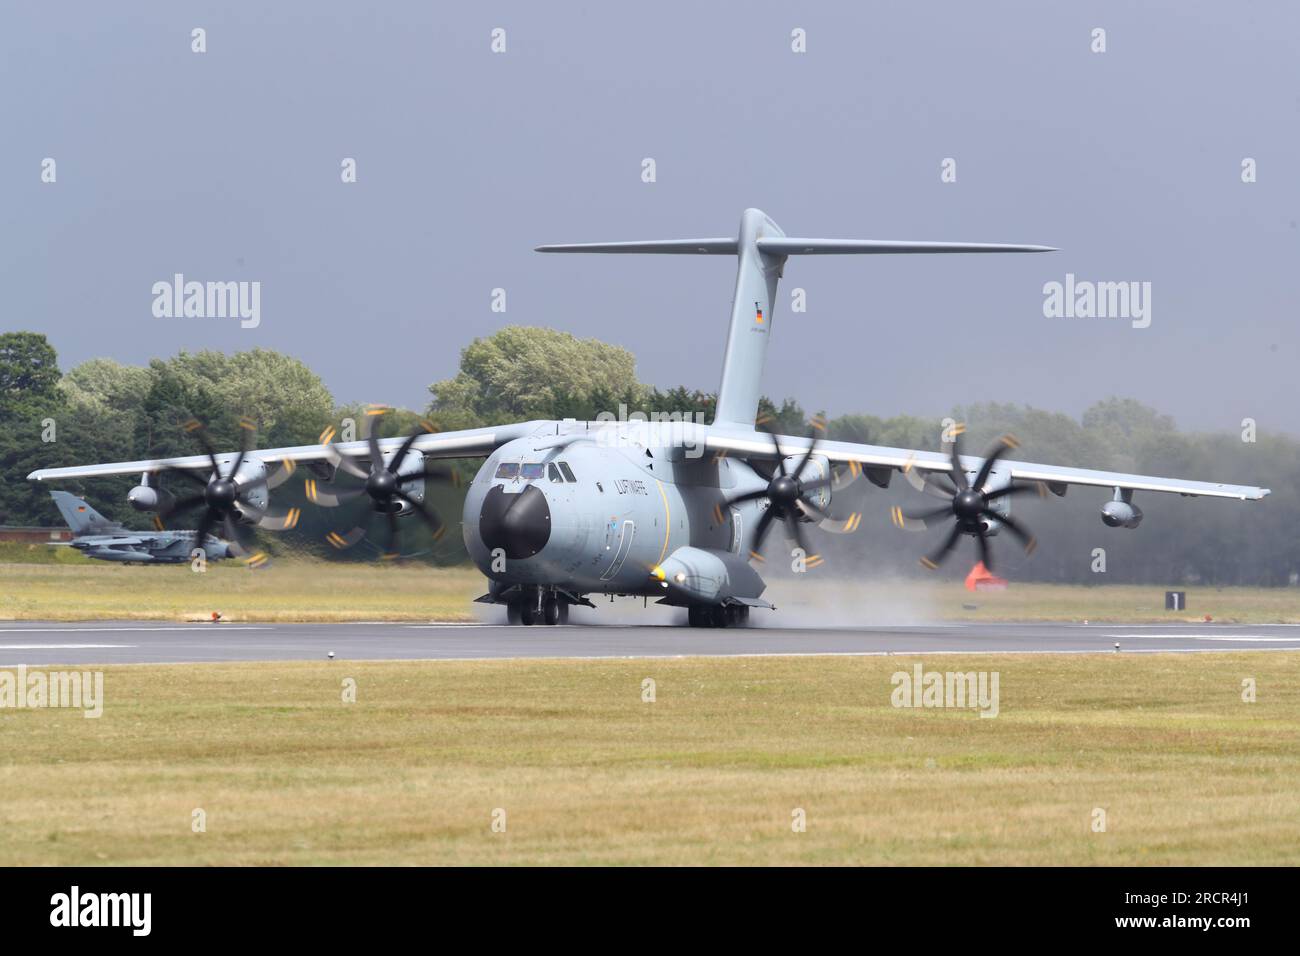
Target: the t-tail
(81, 518)
(762, 248)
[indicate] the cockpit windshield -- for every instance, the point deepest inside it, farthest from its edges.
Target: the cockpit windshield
(534, 470)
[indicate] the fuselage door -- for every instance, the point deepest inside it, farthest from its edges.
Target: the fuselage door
(624, 546)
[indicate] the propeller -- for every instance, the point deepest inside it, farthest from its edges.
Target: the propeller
(788, 496)
(385, 485)
(968, 503)
(223, 496)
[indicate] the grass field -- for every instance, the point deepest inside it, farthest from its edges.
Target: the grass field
(285, 591)
(75, 588)
(710, 772)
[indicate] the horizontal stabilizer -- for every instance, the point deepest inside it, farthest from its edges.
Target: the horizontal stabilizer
(786, 246)
(761, 248)
(727, 246)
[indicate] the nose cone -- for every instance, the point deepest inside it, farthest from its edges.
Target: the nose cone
(968, 505)
(518, 524)
(221, 493)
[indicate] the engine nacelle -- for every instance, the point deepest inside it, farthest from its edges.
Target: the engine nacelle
(818, 468)
(412, 465)
(254, 496)
(1121, 514)
(149, 499)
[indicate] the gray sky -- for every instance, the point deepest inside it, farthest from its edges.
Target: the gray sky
(226, 166)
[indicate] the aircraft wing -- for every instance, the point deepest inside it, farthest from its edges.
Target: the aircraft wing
(1056, 477)
(470, 443)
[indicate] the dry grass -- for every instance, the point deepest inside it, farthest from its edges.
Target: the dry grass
(303, 590)
(709, 773)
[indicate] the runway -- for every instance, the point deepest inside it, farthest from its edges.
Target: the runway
(131, 642)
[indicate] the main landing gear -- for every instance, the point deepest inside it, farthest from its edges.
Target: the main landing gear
(718, 615)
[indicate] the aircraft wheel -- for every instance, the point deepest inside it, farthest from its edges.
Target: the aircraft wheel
(695, 616)
(718, 616)
(527, 615)
(564, 612)
(735, 615)
(551, 611)
(514, 613)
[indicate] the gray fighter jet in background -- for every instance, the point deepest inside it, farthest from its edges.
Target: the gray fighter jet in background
(97, 537)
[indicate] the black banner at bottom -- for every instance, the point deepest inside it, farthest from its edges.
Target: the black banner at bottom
(336, 905)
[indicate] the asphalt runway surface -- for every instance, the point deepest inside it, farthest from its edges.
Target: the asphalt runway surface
(134, 642)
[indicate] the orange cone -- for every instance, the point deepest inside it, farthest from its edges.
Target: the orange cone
(982, 579)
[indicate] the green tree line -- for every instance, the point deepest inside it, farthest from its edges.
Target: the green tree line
(102, 410)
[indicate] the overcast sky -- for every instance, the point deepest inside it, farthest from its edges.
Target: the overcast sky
(225, 166)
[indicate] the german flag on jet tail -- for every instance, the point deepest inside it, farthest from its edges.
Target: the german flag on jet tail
(758, 313)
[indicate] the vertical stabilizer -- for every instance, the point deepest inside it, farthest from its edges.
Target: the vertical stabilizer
(761, 249)
(752, 308)
(81, 518)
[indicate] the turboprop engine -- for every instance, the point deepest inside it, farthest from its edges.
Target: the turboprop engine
(812, 474)
(409, 475)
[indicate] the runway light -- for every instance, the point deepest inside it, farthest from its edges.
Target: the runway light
(330, 655)
(1117, 646)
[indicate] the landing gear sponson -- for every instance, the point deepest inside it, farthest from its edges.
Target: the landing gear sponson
(551, 606)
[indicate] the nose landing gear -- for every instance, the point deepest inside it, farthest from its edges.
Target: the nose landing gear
(538, 607)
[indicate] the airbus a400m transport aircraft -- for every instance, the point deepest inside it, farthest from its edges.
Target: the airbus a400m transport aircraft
(562, 510)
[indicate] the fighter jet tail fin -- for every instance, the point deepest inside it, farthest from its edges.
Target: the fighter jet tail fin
(81, 518)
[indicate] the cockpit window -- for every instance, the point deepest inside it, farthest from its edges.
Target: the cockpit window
(508, 469)
(531, 470)
(553, 473)
(568, 472)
